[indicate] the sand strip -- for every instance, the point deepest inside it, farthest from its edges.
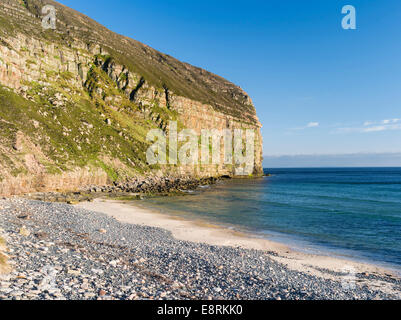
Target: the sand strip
(202, 233)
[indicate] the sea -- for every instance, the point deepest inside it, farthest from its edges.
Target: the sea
(352, 213)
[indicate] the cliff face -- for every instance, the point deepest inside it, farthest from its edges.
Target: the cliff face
(77, 102)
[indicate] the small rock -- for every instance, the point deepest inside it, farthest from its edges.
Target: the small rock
(23, 231)
(74, 272)
(113, 263)
(41, 235)
(97, 271)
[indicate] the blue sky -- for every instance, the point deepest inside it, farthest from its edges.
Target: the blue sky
(317, 88)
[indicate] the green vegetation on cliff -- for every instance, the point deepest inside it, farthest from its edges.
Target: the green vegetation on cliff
(82, 96)
(158, 69)
(74, 134)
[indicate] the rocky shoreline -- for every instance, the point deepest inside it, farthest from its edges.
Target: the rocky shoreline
(133, 189)
(58, 251)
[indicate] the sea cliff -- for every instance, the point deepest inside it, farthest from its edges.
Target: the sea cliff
(77, 102)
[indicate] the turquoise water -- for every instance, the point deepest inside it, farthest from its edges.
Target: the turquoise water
(347, 212)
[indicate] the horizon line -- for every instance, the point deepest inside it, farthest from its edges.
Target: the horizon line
(333, 154)
(333, 167)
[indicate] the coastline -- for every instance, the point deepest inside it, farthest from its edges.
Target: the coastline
(324, 266)
(92, 255)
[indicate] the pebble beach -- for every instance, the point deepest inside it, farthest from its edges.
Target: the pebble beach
(59, 251)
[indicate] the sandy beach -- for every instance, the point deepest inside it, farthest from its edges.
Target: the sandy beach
(324, 266)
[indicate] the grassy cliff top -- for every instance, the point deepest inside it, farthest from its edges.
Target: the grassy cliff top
(160, 70)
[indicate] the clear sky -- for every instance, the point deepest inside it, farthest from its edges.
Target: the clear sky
(317, 88)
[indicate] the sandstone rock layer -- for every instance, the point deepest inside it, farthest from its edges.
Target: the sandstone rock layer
(77, 102)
